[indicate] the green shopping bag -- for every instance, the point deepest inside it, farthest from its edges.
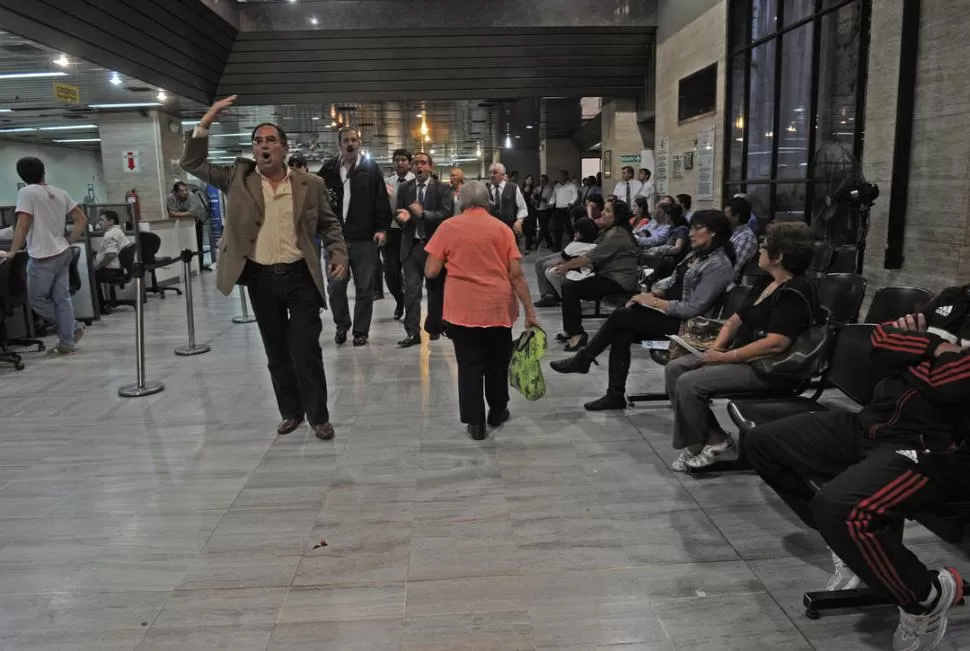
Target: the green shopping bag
(525, 370)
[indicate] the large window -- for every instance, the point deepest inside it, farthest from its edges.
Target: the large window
(796, 76)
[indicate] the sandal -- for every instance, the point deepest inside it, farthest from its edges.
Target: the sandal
(680, 463)
(709, 455)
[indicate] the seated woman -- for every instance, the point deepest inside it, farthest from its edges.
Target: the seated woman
(656, 232)
(641, 214)
(779, 308)
(665, 257)
(584, 241)
(614, 264)
(692, 290)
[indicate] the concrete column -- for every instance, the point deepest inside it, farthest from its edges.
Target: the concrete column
(559, 154)
(621, 136)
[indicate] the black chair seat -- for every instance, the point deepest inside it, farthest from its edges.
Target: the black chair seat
(748, 414)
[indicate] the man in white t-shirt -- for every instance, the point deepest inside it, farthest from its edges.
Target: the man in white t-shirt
(41, 216)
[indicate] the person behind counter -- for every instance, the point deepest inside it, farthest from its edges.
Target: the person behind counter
(107, 263)
(42, 212)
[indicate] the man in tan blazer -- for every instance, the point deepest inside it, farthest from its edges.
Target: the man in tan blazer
(273, 216)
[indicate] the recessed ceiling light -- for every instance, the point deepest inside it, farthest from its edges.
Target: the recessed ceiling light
(420, 115)
(161, 97)
(115, 79)
(314, 21)
(124, 105)
(315, 117)
(518, 136)
(431, 151)
(18, 130)
(32, 75)
(333, 123)
(6, 110)
(70, 127)
(62, 61)
(528, 126)
(79, 140)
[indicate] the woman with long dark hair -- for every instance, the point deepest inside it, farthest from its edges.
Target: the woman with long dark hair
(614, 264)
(690, 291)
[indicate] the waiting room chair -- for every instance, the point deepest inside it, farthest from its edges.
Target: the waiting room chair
(891, 303)
(842, 295)
(150, 243)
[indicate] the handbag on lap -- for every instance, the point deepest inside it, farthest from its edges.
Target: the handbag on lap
(700, 332)
(807, 356)
(525, 369)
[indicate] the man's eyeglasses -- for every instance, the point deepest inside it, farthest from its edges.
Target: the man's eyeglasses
(269, 140)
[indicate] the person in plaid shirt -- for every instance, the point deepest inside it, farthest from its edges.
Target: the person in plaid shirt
(744, 239)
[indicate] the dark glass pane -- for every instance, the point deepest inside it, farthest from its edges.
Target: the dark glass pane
(739, 23)
(759, 197)
(790, 201)
(763, 18)
(838, 77)
(761, 111)
(795, 10)
(795, 98)
(736, 125)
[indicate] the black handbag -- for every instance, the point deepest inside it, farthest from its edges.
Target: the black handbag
(807, 357)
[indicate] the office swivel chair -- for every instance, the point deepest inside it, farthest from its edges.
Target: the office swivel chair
(126, 257)
(7, 356)
(150, 243)
(13, 294)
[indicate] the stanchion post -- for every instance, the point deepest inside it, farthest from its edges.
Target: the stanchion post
(246, 317)
(141, 387)
(192, 348)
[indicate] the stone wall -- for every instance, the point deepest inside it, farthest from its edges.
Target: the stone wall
(621, 135)
(697, 44)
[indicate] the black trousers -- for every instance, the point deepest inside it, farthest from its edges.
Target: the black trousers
(856, 492)
(287, 308)
(574, 292)
(391, 267)
(414, 279)
(200, 242)
(624, 327)
(483, 354)
(363, 257)
(561, 224)
(529, 230)
(545, 234)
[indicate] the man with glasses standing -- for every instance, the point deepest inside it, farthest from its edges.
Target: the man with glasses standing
(268, 245)
(360, 200)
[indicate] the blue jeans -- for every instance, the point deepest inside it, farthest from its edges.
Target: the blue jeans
(50, 295)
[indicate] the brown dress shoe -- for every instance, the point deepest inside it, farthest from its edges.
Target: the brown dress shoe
(324, 431)
(287, 425)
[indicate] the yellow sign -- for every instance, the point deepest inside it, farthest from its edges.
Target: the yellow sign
(67, 94)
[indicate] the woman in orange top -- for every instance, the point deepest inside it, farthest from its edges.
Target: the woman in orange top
(484, 278)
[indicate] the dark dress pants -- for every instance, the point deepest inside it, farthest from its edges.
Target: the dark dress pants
(363, 262)
(200, 227)
(392, 265)
(287, 308)
(561, 224)
(574, 292)
(414, 280)
(858, 492)
(483, 354)
(529, 230)
(624, 327)
(545, 234)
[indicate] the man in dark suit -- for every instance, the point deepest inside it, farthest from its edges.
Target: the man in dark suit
(360, 200)
(269, 245)
(422, 204)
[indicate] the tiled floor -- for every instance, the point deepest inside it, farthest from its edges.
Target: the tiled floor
(180, 521)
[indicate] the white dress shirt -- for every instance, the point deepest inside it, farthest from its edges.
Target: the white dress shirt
(648, 193)
(344, 171)
(113, 241)
(393, 183)
(565, 195)
(521, 208)
(620, 190)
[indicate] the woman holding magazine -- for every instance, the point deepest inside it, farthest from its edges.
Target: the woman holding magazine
(779, 308)
(690, 291)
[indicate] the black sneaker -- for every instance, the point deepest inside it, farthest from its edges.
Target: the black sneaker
(477, 432)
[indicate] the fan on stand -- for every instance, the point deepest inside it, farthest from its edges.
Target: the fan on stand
(843, 198)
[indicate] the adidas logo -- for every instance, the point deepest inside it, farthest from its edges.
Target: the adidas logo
(944, 310)
(909, 454)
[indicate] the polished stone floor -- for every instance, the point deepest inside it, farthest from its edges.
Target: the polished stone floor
(180, 521)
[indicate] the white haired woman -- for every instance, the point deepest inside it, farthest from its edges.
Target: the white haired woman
(484, 277)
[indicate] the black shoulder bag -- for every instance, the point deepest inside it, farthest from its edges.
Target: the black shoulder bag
(807, 356)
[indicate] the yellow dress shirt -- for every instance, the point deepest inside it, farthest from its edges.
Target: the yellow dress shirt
(276, 242)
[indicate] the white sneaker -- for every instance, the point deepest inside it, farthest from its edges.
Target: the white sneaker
(709, 454)
(680, 463)
(842, 578)
(925, 632)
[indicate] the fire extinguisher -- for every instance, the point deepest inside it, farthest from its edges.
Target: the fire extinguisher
(131, 198)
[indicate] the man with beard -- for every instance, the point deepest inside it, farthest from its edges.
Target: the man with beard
(360, 198)
(392, 248)
(268, 245)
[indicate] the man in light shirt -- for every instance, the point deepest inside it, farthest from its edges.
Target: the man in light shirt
(392, 248)
(508, 204)
(42, 212)
(644, 176)
(565, 195)
(628, 188)
(107, 265)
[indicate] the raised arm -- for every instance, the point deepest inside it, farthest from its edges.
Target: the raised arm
(196, 151)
